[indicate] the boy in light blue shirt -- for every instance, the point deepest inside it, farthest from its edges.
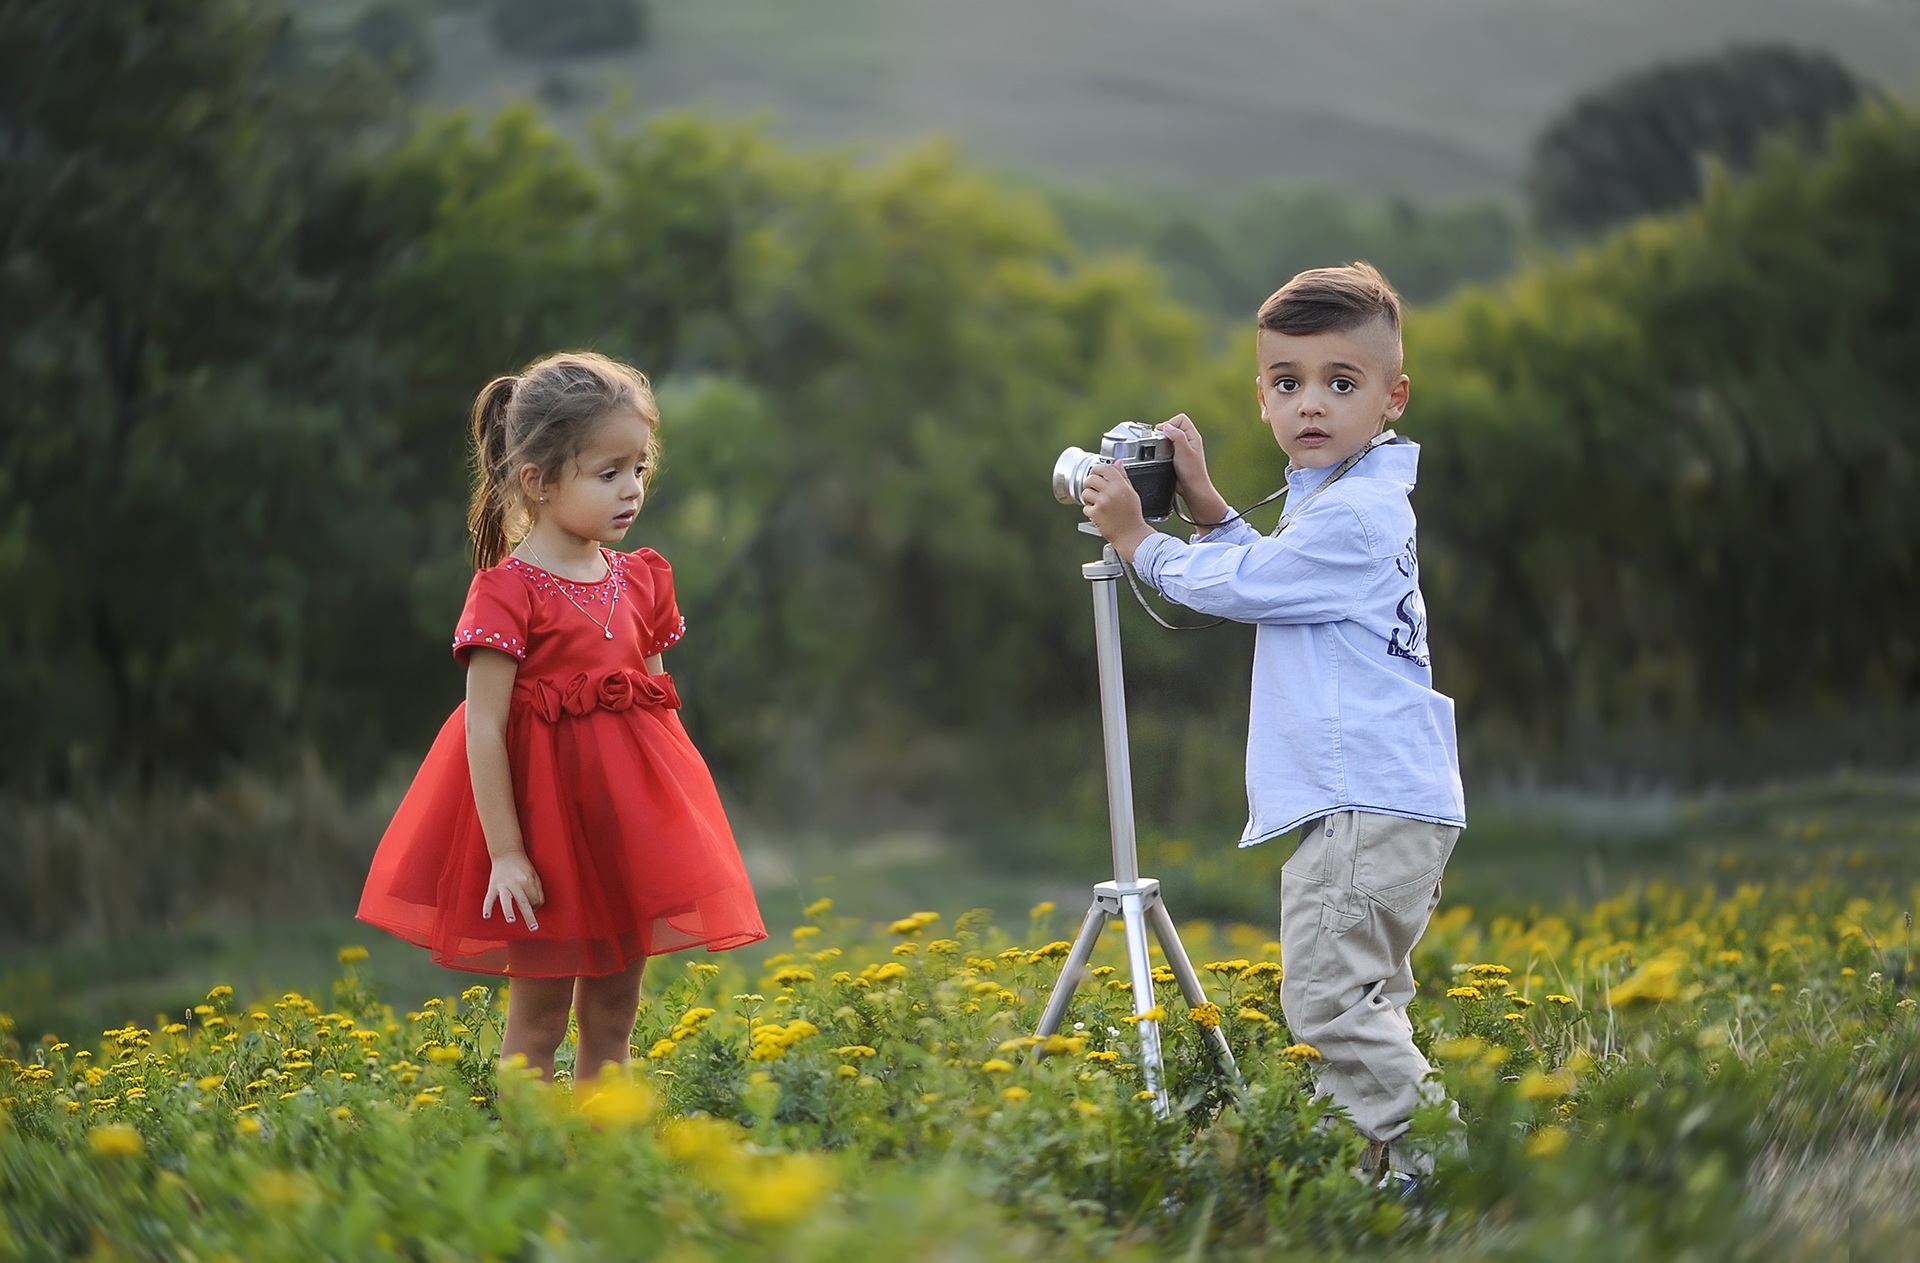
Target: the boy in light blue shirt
(1348, 741)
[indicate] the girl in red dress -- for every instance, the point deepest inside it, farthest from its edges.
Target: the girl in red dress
(563, 828)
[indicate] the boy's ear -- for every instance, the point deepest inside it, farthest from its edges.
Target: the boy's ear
(1260, 396)
(1397, 398)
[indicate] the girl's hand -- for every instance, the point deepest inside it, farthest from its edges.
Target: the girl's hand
(1113, 506)
(514, 881)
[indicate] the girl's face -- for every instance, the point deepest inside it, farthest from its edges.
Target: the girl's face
(597, 497)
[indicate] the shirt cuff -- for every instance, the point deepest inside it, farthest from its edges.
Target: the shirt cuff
(1234, 531)
(1152, 555)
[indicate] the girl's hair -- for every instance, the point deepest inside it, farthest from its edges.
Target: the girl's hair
(543, 418)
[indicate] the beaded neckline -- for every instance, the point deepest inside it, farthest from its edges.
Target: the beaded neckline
(612, 571)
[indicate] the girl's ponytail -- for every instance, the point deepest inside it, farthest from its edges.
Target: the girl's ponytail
(494, 487)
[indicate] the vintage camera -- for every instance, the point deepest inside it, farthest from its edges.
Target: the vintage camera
(1142, 452)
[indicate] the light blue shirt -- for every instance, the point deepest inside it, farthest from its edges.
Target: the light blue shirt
(1344, 714)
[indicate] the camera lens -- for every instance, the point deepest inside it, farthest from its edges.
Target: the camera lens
(1070, 474)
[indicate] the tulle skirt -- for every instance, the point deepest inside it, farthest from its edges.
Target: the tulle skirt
(619, 816)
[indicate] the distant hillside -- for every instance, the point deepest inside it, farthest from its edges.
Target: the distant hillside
(1215, 95)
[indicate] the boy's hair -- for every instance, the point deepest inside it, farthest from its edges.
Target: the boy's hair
(1332, 300)
(543, 417)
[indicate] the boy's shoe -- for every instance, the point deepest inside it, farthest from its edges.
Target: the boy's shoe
(1403, 1187)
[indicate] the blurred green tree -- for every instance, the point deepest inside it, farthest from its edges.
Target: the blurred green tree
(1638, 146)
(1675, 475)
(174, 476)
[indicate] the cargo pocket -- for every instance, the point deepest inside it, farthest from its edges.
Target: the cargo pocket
(1398, 862)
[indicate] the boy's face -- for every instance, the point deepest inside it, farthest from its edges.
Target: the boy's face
(1327, 394)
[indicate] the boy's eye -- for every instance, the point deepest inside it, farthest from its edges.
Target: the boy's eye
(1344, 386)
(1286, 383)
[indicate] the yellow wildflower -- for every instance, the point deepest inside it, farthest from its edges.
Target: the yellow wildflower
(1300, 1052)
(1546, 1142)
(1014, 1094)
(1657, 982)
(996, 1065)
(616, 1102)
(352, 955)
(116, 1140)
(1253, 1015)
(1536, 1085)
(780, 1188)
(1206, 1015)
(1155, 1014)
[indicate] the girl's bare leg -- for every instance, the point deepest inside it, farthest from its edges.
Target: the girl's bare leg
(606, 1008)
(537, 1021)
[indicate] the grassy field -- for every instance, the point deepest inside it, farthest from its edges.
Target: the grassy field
(1668, 1072)
(1521, 857)
(1209, 95)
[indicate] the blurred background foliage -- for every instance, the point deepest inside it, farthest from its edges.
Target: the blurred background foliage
(251, 284)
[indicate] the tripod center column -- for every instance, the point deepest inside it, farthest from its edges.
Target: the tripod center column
(1104, 576)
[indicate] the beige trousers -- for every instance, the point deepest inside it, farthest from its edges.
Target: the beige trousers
(1354, 899)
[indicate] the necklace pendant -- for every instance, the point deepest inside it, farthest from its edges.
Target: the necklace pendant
(609, 633)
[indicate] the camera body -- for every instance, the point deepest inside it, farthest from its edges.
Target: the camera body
(1143, 453)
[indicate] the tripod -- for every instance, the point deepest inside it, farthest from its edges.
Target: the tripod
(1132, 898)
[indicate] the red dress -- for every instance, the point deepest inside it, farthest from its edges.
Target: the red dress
(618, 812)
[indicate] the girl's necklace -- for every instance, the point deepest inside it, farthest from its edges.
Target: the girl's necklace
(561, 582)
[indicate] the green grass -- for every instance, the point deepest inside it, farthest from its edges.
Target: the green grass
(1672, 1074)
(1522, 859)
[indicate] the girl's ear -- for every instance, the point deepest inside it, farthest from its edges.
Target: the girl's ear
(532, 485)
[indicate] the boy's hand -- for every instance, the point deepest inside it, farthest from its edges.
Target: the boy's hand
(513, 882)
(1113, 506)
(1190, 470)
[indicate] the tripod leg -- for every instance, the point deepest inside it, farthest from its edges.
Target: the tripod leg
(1073, 970)
(1133, 915)
(1188, 978)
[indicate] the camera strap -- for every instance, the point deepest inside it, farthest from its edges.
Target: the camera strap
(1339, 472)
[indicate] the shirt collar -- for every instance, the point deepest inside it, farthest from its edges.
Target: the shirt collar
(1398, 460)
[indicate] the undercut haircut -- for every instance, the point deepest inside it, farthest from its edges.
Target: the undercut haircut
(1332, 300)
